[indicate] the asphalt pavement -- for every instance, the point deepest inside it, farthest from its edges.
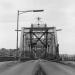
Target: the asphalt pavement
(31, 67)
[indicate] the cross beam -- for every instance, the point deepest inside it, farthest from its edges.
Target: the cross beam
(39, 39)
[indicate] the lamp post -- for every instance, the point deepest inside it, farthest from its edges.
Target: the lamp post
(21, 12)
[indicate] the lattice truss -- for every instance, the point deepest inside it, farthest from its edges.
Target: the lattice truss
(39, 40)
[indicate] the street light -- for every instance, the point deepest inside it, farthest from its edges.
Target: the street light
(21, 12)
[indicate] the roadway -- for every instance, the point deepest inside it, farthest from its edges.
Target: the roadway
(30, 67)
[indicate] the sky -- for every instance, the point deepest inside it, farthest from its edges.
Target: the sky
(58, 13)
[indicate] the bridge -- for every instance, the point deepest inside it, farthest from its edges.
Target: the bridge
(39, 41)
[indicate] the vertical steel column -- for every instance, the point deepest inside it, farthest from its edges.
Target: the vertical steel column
(46, 39)
(31, 39)
(21, 54)
(17, 30)
(23, 45)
